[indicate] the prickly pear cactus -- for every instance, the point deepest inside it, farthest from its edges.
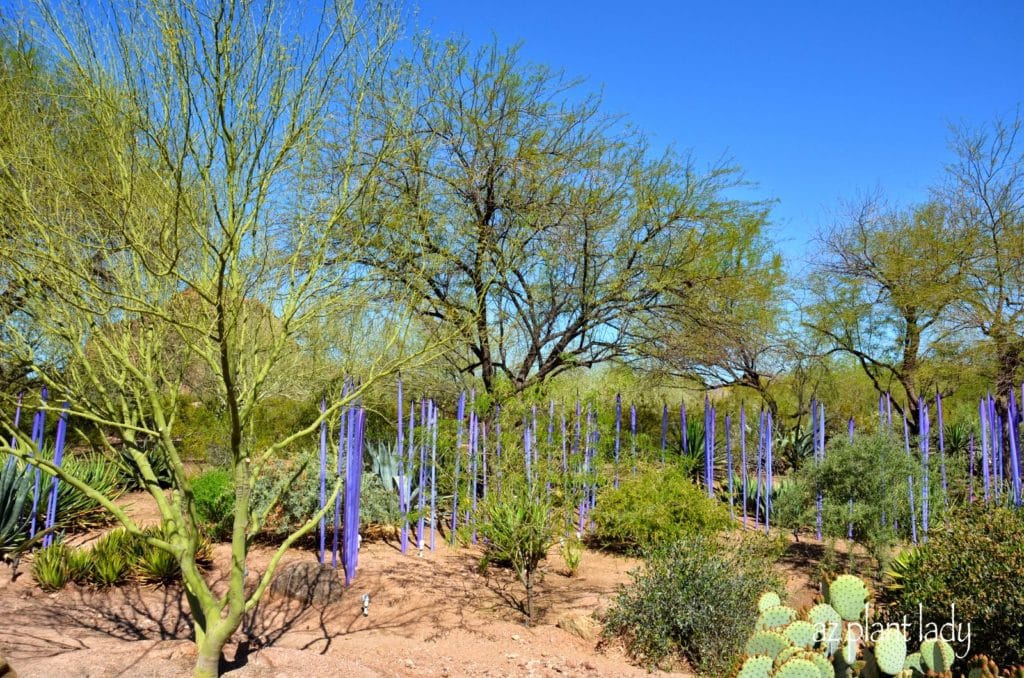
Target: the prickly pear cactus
(848, 594)
(802, 634)
(937, 655)
(890, 650)
(756, 667)
(776, 617)
(768, 599)
(769, 643)
(798, 667)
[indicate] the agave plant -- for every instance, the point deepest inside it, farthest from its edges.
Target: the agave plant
(15, 499)
(384, 461)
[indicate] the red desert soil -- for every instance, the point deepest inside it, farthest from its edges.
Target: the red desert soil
(434, 615)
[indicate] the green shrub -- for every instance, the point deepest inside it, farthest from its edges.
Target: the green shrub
(214, 496)
(872, 470)
(657, 506)
(695, 599)
(517, 531)
(974, 560)
(50, 567)
(378, 504)
(572, 553)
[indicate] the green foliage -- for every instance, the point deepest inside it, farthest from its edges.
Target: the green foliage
(657, 506)
(695, 598)
(75, 510)
(517, 532)
(972, 560)
(872, 470)
(80, 565)
(378, 504)
(15, 502)
(112, 557)
(214, 496)
(50, 567)
(572, 553)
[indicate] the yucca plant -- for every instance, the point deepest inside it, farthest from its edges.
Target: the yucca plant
(157, 566)
(50, 567)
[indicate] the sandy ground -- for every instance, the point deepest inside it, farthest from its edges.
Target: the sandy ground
(435, 615)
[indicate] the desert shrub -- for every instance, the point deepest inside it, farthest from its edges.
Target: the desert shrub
(214, 496)
(695, 599)
(517, 532)
(50, 567)
(974, 560)
(656, 506)
(872, 470)
(378, 504)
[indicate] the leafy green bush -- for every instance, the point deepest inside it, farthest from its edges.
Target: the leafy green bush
(656, 506)
(696, 599)
(517, 530)
(50, 567)
(214, 495)
(378, 504)
(872, 470)
(974, 560)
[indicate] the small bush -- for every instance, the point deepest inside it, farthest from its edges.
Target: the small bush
(214, 496)
(974, 561)
(655, 507)
(517, 531)
(695, 599)
(50, 567)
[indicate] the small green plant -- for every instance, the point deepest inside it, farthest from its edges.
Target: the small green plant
(694, 599)
(572, 553)
(517, 531)
(80, 565)
(113, 556)
(974, 561)
(654, 507)
(214, 496)
(50, 567)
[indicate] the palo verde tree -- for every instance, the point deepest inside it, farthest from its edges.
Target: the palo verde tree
(549, 230)
(210, 241)
(882, 291)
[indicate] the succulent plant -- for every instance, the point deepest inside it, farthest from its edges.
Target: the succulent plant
(848, 594)
(890, 650)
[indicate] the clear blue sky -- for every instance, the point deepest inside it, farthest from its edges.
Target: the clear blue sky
(817, 101)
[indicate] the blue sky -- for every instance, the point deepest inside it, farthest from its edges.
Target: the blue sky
(819, 102)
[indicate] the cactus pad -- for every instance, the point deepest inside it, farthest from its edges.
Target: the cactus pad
(937, 655)
(770, 643)
(756, 667)
(774, 617)
(802, 633)
(798, 668)
(891, 650)
(825, 667)
(851, 644)
(913, 662)
(848, 595)
(768, 599)
(787, 654)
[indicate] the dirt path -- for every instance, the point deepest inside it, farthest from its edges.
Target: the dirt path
(431, 615)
